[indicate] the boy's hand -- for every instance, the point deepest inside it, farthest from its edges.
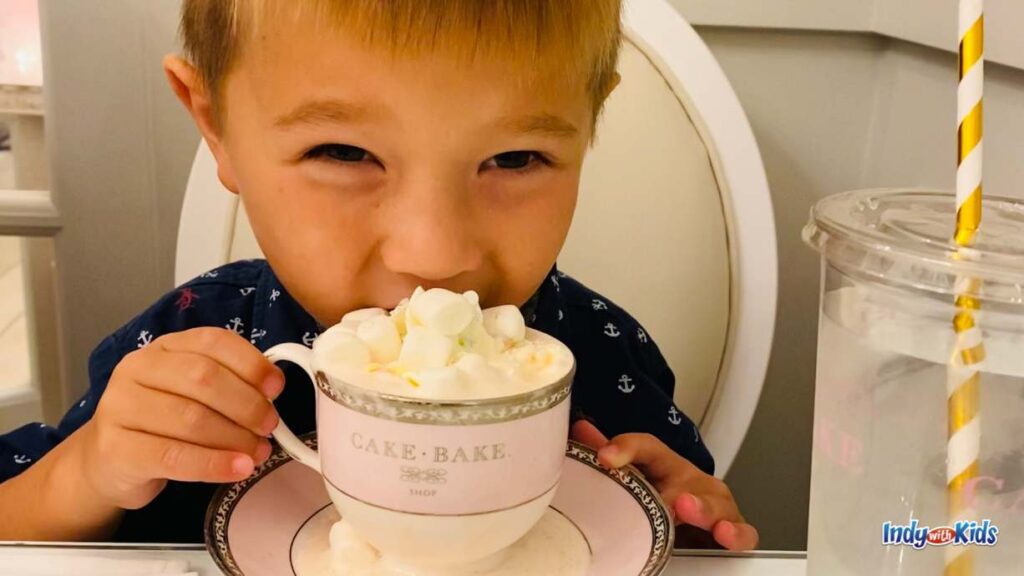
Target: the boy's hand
(190, 406)
(694, 497)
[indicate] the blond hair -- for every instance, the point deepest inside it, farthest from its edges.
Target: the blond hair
(576, 40)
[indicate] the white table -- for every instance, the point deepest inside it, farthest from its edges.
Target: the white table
(685, 563)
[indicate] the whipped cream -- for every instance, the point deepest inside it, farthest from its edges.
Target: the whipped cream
(441, 345)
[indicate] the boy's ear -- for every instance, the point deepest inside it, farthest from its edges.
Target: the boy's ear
(613, 83)
(189, 88)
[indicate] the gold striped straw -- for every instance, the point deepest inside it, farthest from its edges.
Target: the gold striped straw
(963, 375)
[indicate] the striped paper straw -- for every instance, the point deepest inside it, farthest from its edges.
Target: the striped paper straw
(963, 375)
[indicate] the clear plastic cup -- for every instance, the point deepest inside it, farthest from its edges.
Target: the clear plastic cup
(890, 277)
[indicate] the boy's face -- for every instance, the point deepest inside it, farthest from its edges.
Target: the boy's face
(365, 175)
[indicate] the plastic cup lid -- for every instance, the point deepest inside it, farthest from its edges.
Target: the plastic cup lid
(904, 239)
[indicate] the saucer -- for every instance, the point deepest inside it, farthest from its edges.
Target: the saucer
(253, 526)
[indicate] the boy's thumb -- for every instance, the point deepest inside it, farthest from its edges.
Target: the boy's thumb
(586, 433)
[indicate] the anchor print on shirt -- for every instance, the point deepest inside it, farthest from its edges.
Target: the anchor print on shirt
(641, 335)
(554, 280)
(257, 335)
(598, 304)
(236, 324)
(248, 290)
(273, 296)
(210, 274)
(560, 315)
(308, 339)
(21, 459)
(626, 384)
(143, 339)
(673, 416)
(186, 299)
(611, 330)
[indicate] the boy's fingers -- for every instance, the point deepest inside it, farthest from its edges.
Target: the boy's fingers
(172, 416)
(158, 457)
(231, 351)
(588, 434)
(705, 511)
(657, 460)
(202, 379)
(669, 496)
(737, 536)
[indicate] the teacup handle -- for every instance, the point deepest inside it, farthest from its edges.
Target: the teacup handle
(303, 358)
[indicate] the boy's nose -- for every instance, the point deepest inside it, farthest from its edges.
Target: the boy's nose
(430, 236)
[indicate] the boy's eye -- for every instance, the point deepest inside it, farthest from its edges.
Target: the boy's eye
(338, 153)
(515, 160)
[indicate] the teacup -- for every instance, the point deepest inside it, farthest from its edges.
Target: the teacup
(433, 483)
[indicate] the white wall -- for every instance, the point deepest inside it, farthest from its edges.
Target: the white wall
(914, 131)
(929, 22)
(809, 100)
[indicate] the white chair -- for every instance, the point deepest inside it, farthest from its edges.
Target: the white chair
(696, 264)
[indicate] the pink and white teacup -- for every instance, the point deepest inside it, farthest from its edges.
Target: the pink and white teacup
(433, 483)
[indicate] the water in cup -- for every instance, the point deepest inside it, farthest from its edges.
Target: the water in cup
(879, 496)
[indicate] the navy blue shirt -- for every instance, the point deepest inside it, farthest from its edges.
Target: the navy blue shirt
(622, 383)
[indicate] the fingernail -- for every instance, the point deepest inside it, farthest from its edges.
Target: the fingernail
(610, 454)
(698, 505)
(242, 464)
(262, 452)
(269, 423)
(727, 531)
(273, 385)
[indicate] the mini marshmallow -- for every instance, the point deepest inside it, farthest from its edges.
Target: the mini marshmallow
(474, 302)
(477, 371)
(353, 319)
(339, 345)
(435, 383)
(381, 336)
(476, 340)
(537, 362)
(439, 310)
(440, 345)
(425, 349)
(398, 316)
(505, 323)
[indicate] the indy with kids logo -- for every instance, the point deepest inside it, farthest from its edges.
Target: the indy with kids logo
(962, 533)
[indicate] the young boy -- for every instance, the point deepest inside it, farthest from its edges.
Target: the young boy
(378, 145)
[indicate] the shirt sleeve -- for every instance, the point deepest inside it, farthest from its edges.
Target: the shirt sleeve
(668, 422)
(215, 299)
(23, 446)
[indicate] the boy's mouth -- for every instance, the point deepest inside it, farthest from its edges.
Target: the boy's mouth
(388, 298)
